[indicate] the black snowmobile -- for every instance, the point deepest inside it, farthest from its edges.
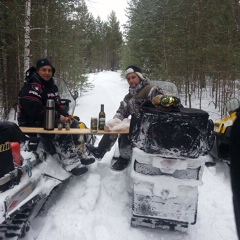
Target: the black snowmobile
(222, 130)
(28, 175)
(167, 163)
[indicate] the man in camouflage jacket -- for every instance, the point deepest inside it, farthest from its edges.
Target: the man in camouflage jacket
(140, 90)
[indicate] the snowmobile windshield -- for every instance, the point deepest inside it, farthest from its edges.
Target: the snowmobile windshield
(65, 93)
(168, 88)
(232, 105)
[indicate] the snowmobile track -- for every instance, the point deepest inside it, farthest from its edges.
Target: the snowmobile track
(16, 227)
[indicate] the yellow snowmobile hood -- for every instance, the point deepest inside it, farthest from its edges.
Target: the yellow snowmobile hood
(220, 127)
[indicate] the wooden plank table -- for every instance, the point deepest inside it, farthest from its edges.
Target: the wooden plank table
(70, 131)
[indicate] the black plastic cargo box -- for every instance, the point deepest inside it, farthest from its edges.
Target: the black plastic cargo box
(184, 133)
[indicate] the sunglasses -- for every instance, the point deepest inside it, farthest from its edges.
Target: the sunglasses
(168, 101)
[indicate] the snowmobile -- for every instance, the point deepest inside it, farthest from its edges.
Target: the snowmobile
(222, 130)
(28, 174)
(167, 163)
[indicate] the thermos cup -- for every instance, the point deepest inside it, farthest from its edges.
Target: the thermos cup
(49, 115)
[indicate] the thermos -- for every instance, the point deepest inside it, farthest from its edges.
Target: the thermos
(49, 115)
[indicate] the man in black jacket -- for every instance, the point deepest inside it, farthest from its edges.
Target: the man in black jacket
(39, 87)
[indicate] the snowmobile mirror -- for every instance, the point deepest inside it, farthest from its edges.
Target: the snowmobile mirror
(75, 94)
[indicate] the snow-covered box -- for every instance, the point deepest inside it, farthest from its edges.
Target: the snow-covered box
(167, 166)
(165, 190)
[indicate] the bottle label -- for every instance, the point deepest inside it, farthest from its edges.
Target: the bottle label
(101, 123)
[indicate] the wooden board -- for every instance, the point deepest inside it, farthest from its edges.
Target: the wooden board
(70, 131)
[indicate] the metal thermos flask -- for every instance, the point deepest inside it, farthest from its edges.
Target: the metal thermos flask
(49, 115)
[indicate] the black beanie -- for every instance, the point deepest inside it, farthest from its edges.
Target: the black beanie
(137, 70)
(44, 62)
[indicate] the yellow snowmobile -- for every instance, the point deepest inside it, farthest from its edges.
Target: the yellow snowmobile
(222, 130)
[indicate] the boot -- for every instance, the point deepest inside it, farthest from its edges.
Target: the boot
(73, 164)
(69, 163)
(120, 164)
(68, 157)
(87, 160)
(81, 151)
(78, 171)
(95, 151)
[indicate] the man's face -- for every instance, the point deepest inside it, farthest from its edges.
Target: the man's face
(45, 72)
(133, 79)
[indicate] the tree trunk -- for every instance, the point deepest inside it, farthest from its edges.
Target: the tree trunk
(27, 37)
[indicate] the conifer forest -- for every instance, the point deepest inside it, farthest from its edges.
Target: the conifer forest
(193, 43)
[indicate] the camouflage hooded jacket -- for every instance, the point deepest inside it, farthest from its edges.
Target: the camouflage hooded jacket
(133, 101)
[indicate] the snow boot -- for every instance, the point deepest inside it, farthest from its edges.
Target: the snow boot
(70, 163)
(68, 156)
(78, 171)
(95, 151)
(81, 151)
(87, 160)
(120, 164)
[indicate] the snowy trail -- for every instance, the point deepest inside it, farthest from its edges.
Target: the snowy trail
(98, 206)
(109, 90)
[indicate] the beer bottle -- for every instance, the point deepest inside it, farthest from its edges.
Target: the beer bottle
(102, 118)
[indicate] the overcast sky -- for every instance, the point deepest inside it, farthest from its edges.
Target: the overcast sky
(103, 9)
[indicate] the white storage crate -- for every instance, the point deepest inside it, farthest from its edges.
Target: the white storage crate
(165, 190)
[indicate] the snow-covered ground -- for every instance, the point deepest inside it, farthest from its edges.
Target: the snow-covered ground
(98, 206)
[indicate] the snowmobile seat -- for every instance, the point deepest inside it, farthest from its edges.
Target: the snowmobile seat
(10, 138)
(9, 132)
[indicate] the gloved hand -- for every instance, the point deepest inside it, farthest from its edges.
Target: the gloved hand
(113, 122)
(67, 119)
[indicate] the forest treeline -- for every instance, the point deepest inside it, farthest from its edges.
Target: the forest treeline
(193, 43)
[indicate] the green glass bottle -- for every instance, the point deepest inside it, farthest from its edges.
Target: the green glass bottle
(101, 118)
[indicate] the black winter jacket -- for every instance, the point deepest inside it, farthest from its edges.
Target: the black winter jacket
(33, 97)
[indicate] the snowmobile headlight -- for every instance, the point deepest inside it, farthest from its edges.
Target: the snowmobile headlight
(167, 101)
